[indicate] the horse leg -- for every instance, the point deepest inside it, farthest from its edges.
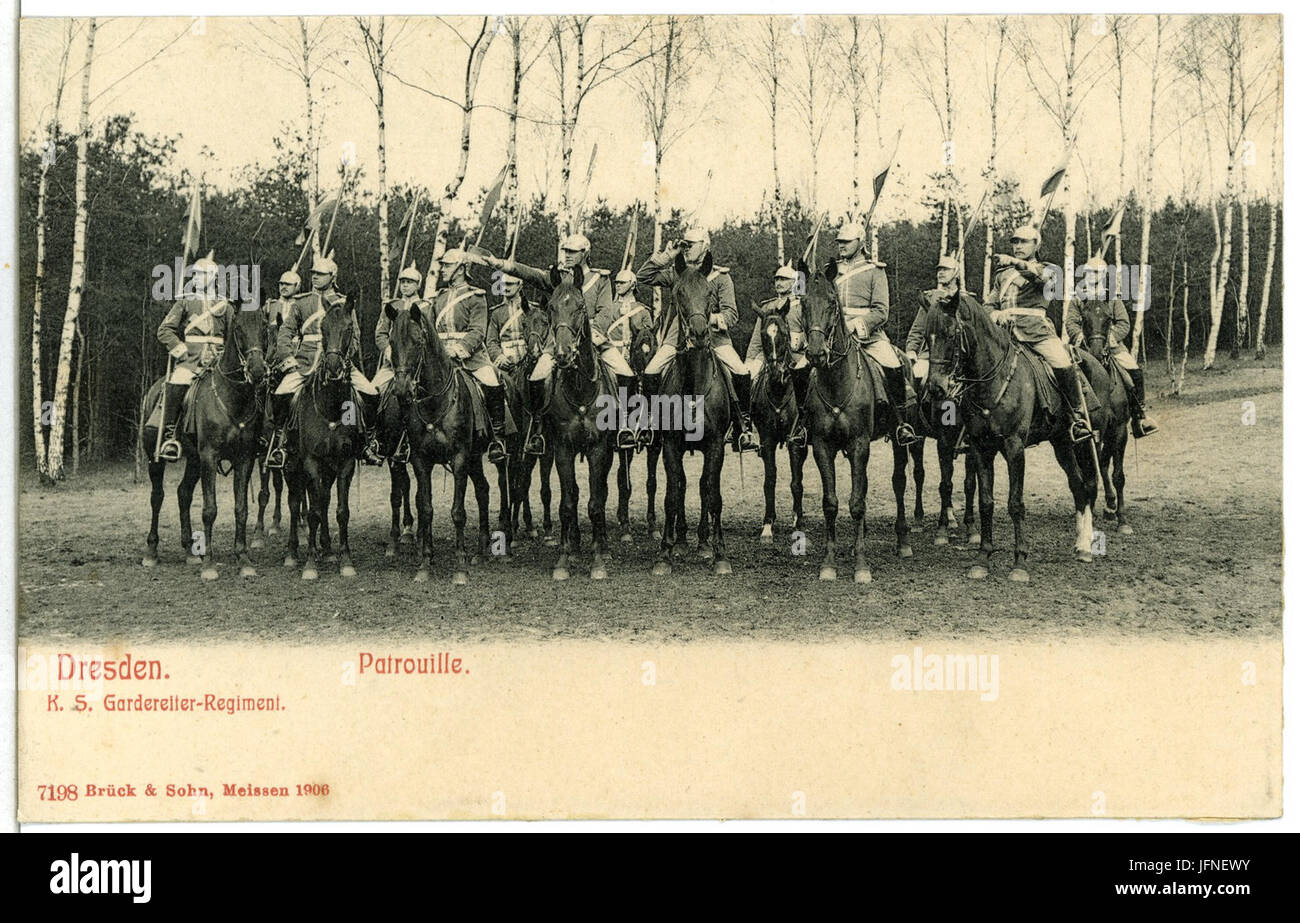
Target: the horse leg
(1105, 457)
(483, 502)
(263, 498)
(277, 479)
(859, 457)
(315, 507)
(767, 449)
(598, 464)
(1014, 452)
(651, 487)
(1117, 465)
(296, 498)
(798, 455)
(424, 507)
(714, 456)
(344, 513)
(564, 465)
(970, 485)
(328, 554)
(243, 475)
(702, 539)
(944, 449)
(157, 472)
(548, 526)
(395, 510)
(917, 451)
(901, 529)
(624, 495)
(825, 460)
(676, 484)
(209, 479)
(408, 520)
(978, 570)
(185, 499)
(460, 480)
(1068, 457)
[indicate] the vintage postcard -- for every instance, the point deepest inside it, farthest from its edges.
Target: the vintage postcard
(580, 416)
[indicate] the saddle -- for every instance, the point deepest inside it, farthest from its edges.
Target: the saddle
(478, 406)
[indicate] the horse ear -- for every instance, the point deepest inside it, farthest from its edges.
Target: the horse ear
(390, 312)
(415, 312)
(555, 277)
(577, 276)
(679, 264)
(706, 268)
(802, 268)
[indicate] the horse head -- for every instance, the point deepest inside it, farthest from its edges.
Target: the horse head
(408, 345)
(975, 344)
(536, 328)
(822, 319)
(336, 342)
(1096, 325)
(568, 310)
(775, 337)
(245, 338)
(642, 349)
(693, 298)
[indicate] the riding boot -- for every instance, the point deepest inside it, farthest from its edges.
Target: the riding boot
(535, 442)
(798, 431)
(1142, 424)
(495, 398)
(370, 451)
(746, 438)
(1067, 381)
(281, 405)
(170, 450)
(896, 384)
(627, 437)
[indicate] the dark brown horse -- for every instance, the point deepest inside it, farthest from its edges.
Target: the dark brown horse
(845, 413)
(579, 400)
(644, 343)
(437, 404)
(1007, 410)
(1113, 393)
(227, 417)
(391, 429)
(775, 410)
(325, 438)
(697, 379)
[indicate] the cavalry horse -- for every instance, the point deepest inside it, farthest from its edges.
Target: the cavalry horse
(225, 405)
(698, 379)
(1113, 393)
(845, 412)
(515, 475)
(391, 427)
(644, 343)
(437, 406)
(268, 478)
(323, 444)
(571, 421)
(1007, 408)
(775, 409)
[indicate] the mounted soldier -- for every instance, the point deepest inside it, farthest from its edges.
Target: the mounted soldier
(863, 291)
(192, 332)
(659, 270)
(1021, 289)
(507, 343)
(613, 330)
(934, 315)
(1094, 290)
(385, 439)
(460, 318)
(299, 342)
(597, 296)
(784, 301)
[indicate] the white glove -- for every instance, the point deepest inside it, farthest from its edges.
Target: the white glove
(719, 321)
(178, 351)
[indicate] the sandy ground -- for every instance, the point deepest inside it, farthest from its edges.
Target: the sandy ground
(1205, 500)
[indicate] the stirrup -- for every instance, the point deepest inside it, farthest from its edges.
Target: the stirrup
(798, 437)
(401, 454)
(1144, 426)
(496, 452)
(644, 439)
(535, 445)
(370, 455)
(748, 440)
(625, 439)
(1079, 431)
(904, 435)
(170, 450)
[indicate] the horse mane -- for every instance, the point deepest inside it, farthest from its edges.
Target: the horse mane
(974, 315)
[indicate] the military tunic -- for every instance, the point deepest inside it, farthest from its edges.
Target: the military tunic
(1119, 328)
(863, 290)
(383, 326)
(661, 270)
(300, 339)
(1023, 295)
(506, 340)
(460, 316)
(754, 355)
(193, 331)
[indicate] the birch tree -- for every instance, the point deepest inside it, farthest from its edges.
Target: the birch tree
(996, 36)
(525, 50)
(814, 93)
(760, 46)
(931, 70)
(1274, 206)
(1148, 173)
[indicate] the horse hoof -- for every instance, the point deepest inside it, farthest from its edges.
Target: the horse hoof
(194, 559)
(460, 578)
(973, 539)
(766, 537)
(290, 561)
(1019, 575)
(208, 573)
(599, 573)
(626, 538)
(273, 532)
(862, 576)
(722, 568)
(657, 535)
(149, 562)
(309, 573)
(347, 570)
(662, 569)
(332, 558)
(1125, 529)
(551, 541)
(827, 573)
(421, 576)
(704, 554)
(1108, 515)
(977, 572)
(560, 573)
(408, 536)
(248, 570)
(256, 543)
(941, 538)
(390, 551)
(905, 551)
(1083, 557)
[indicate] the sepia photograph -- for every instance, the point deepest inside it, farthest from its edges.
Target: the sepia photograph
(649, 416)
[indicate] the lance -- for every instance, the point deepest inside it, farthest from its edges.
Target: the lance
(1051, 193)
(325, 247)
(629, 248)
(410, 226)
(879, 183)
(189, 243)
